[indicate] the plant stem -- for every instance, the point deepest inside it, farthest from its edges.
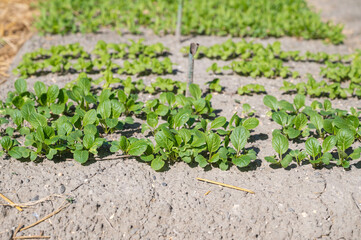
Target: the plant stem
(192, 51)
(178, 31)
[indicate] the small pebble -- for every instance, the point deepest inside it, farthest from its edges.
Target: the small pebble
(291, 210)
(36, 198)
(164, 184)
(61, 189)
(60, 174)
(154, 177)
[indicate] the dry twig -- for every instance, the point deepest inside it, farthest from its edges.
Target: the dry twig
(225, 185)
(11, 203)
(45, 218)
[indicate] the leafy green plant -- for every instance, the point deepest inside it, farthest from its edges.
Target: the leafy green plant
(214, 85)
(258, 19)
(249, 89)
(280, 144)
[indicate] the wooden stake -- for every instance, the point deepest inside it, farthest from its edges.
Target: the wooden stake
(225, 185)
(178, 31)
(32, 237)
(192, 51)
(11, 202)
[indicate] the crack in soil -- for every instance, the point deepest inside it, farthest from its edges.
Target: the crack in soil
(323, 203)
(355, 201)
(89, 178)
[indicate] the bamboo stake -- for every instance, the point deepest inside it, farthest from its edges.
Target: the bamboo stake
(178, 31)
(44, 218)
(225, 185)
(192, 51)
(32, 237)
(11, 202)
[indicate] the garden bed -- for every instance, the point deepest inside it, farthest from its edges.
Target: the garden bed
(117, 197)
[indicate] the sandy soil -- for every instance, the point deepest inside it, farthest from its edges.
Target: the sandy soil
(126, 199)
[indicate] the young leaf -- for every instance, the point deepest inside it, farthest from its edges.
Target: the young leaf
(81, 156)
(280, 144)
(195, 91)
(213, 142)
(239, 138)
(345, 138)
(329, 143)
(20, 85)
(137, 148)
(299, 101)
(152, 119)
(90, 117)
(201, 161)
(250, 123)
(157, 163)
(271, 102)
(286, 161)
(242, 161)
(218, 122)
(313, 147)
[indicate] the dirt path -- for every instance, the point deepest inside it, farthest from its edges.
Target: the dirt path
(126, 199)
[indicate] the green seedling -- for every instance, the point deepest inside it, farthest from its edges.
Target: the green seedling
(280, 144)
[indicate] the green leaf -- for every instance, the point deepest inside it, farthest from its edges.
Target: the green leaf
(356, 153)
(88, 141)
(329, 143)
(292, 133)
(27, 110)
(90, 129)
(280, 118)
(280, 144)
(300, 121)
(81, 156)
(20, 85)
(286, 161)
(202, 162)
(213, 142)
(313, 147)
(111, 122)
(345, 138)
(299, 101)
(6, 143)
(37, 120)
(16, 153)
(214, 158)
(123, 143)
(271, 159)
(39, 88)
(52, 94)
(162, 110)
(181, 118)
(317, 121)
(271, 102)
(218, 122)
(250, 123)
(242, 161)
(90, 117)
(137, 148)
(239, 137)
(57, 108)
(195, 91)
(157, 163)
(345, 164)
(105, 109)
